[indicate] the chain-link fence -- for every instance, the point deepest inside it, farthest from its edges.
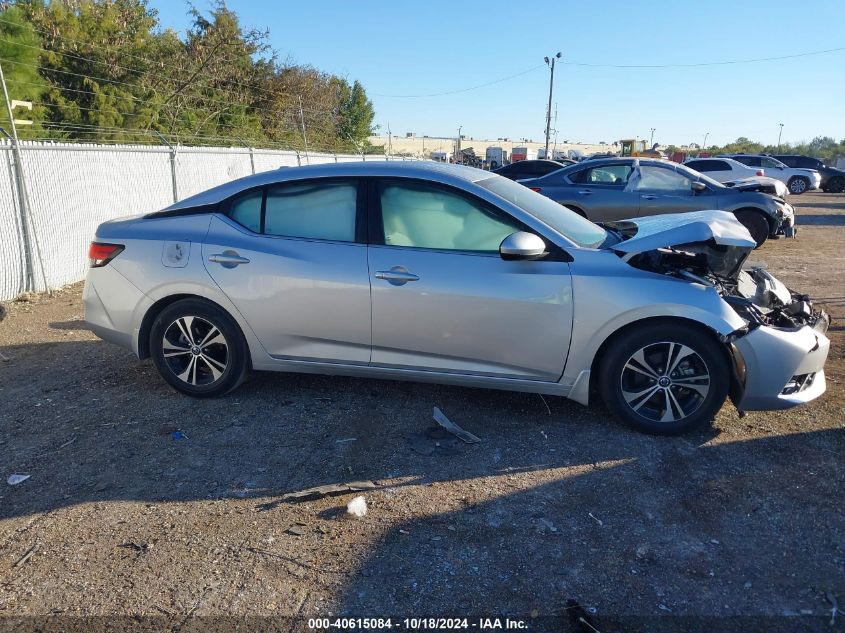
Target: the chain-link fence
(68, 189)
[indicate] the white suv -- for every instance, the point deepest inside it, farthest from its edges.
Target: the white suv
(798, 180)
(732, 172)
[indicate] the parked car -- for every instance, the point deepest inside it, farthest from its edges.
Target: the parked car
(734, 174)
(531, 168)
(439, 273)
(798, 180)
(611, 189)
(833, 178)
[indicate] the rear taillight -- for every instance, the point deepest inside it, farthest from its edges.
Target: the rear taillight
(760, 172)
(537, 189)
(100, 254)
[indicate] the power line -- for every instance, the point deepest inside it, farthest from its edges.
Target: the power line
(719, 63)
(452, 92)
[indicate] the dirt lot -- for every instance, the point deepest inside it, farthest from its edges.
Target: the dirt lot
(744, 519)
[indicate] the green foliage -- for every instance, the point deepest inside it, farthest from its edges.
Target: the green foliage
(105, 70)
(825, 148)
(19, 52)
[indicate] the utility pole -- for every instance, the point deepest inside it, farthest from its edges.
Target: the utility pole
(458, 143)
(651, 140)
(23, 199)
(779, 133)
(551, 64)
(302, 121)
(704, 145)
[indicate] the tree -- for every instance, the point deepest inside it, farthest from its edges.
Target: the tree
(355, 114)
(20, 50)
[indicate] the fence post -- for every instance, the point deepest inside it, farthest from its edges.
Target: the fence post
(252, 160)
(21, 189)
(298, 159)
(172, 166)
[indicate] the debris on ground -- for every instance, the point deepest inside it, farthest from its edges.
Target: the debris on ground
(453, 428)
(295, 530)
(167, 430)
(357, 507)
(16, 478)
(178, 435)
(834, 607)
(595, 518)
(26, 556)
(330, 490)
(580, 618)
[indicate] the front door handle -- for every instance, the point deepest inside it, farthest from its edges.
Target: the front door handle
(228, 259)
(397, 276)
(585, 192)
(650, 197)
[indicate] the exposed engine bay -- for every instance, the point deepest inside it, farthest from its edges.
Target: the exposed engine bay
(750, 290)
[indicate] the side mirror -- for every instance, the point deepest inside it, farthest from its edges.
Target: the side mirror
(522, 245)
(698, 186)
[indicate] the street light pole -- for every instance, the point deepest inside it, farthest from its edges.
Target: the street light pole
(704, 145)
(651, 140)
(549, 109)
(779, 133)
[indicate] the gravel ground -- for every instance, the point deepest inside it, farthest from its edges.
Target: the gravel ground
(121, 517)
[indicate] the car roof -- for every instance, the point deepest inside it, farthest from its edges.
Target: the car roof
(426, 170)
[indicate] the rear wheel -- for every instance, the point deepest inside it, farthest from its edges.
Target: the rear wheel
(756, 223)
(798, 185)
(836, 185)
(665, 379)
(198, 348)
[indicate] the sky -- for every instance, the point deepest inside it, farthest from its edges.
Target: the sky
(422, 48)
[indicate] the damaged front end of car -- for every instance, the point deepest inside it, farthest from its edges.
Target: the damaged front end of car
(779, 354)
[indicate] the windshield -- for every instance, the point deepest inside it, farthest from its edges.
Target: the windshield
(567, 223)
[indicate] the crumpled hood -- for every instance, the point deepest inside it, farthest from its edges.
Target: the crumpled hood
(716, 236)
(676, 229)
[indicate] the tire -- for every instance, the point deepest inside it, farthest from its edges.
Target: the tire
(836, 185)
(756, 223)
(798, 185)
(636, 389)
(199, 349)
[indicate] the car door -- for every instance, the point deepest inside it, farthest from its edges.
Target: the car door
(665, 190)
(289, 258)
(443, 298)
(600, 191)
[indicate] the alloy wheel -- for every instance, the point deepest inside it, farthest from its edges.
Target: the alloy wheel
(665, 382)
(799, 185)
(195, 350)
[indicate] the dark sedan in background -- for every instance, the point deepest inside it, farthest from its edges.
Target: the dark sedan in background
(531, 168)
(612, 189)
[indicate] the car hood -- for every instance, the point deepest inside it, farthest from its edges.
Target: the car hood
(753, 183)
(715, 235)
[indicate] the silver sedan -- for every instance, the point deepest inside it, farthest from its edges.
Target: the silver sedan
(431, 272)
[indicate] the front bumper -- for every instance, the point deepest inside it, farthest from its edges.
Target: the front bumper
(786, 224)
(779, 368)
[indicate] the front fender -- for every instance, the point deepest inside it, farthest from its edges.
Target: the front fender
(612, 295)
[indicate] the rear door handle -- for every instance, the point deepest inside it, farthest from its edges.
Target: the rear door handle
(585, 192)
(228, 259)
(397, 276)
(650, 197)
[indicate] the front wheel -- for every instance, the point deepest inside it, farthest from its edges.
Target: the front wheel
(756, 223)
(798, 185)
(665, 379)
(198, 348)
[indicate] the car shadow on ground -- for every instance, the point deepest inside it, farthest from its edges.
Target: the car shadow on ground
(556, 502)
(820, 220)
(649, 528)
